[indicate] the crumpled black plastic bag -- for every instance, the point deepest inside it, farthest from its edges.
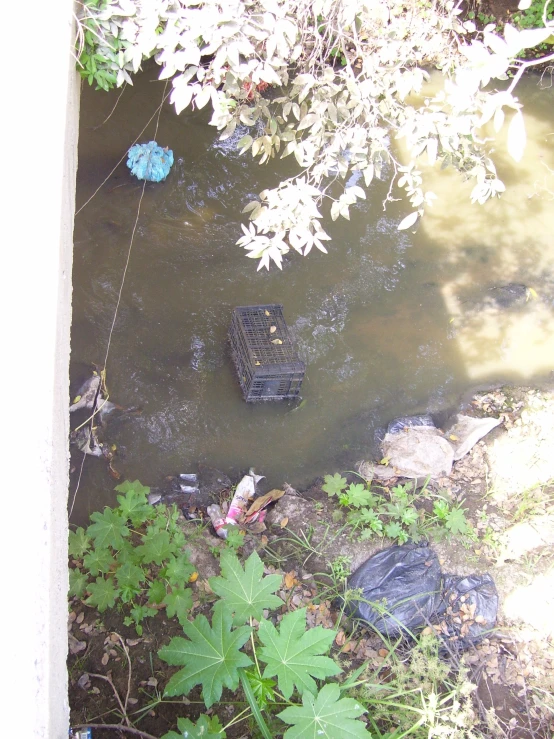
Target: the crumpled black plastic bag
(403, 589)
(468, 608)
(402, 584)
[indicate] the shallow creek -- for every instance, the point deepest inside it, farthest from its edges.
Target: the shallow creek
(389, 323)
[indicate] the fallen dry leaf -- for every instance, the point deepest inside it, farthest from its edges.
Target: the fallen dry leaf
(132, 642)
(105, 658)
(383, 652)
(193, 577)
(272, 329)
(81, 617)
(76, 646)
(340, 638)
(284, 522)
(290, 579)
(264, 540)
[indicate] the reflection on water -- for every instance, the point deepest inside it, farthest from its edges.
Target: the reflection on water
(389, 323)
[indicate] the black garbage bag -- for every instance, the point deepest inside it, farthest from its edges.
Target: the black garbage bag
(410, 422)
(401, 588)
(468, 609)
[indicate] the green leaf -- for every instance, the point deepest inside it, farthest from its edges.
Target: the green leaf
(103, 594)
(409, 516)
(178, 569)
(156, 592)
(293, 654)
(98, 561)
(211, 656)
(359, 495)
(441, 509)
(139, 613)
(178, 603)
(325, 716)
(77, 583)
(245, 592)
(134, 503)
(156, 547)
(108, 529)
(234, 538)
(393, 530)
(262, 688)
(456, 521)
(130, 575)
(79, 542)
(334, 484)
(207, 727)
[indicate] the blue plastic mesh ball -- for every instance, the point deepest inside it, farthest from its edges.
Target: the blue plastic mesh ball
(149, 161)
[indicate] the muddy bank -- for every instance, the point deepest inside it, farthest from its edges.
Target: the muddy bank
(505, 487)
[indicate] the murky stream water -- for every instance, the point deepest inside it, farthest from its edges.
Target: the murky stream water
(389, 322)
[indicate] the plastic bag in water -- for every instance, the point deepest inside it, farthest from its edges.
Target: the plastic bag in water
(149, 161)
(410, 422)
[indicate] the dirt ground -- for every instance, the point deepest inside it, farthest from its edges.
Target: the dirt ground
(505, 483)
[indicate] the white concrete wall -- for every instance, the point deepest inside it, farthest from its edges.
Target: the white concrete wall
(40, 102)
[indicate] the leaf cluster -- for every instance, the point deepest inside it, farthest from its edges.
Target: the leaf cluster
(348, 77)
(131, 557)
(286, 655)
(393, 513)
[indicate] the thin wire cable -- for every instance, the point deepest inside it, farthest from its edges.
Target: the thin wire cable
(158, 111)
(101, 185)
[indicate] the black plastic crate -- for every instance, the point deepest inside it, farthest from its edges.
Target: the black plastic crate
(267, 364)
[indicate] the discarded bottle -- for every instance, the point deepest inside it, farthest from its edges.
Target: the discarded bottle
(80, 734)
(218, 520)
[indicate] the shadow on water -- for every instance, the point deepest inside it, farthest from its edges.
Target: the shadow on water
(389, 323)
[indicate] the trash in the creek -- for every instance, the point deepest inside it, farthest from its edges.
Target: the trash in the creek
(86, 441)
(150, 161)
(402, 589)
(80, 733)
(414, 447)
(92, 396)
(241, 511)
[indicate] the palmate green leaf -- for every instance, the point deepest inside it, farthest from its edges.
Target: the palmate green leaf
(245, 592)
(178, 603)
(325, 716)
(79, 542)
(77, 583)
(262, 688)
(207, 727)
(178, 569)
(130, 575)
(334, 484)
(294, 654)
(456, 521)
(98, 561)
(156, 547)
(156, 592)
(103, 594)
(108, 529)
(211, 656)
(358, 495)
(134, 503)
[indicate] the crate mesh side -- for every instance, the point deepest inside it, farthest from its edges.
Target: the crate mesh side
(256, 323)
(266, 371)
